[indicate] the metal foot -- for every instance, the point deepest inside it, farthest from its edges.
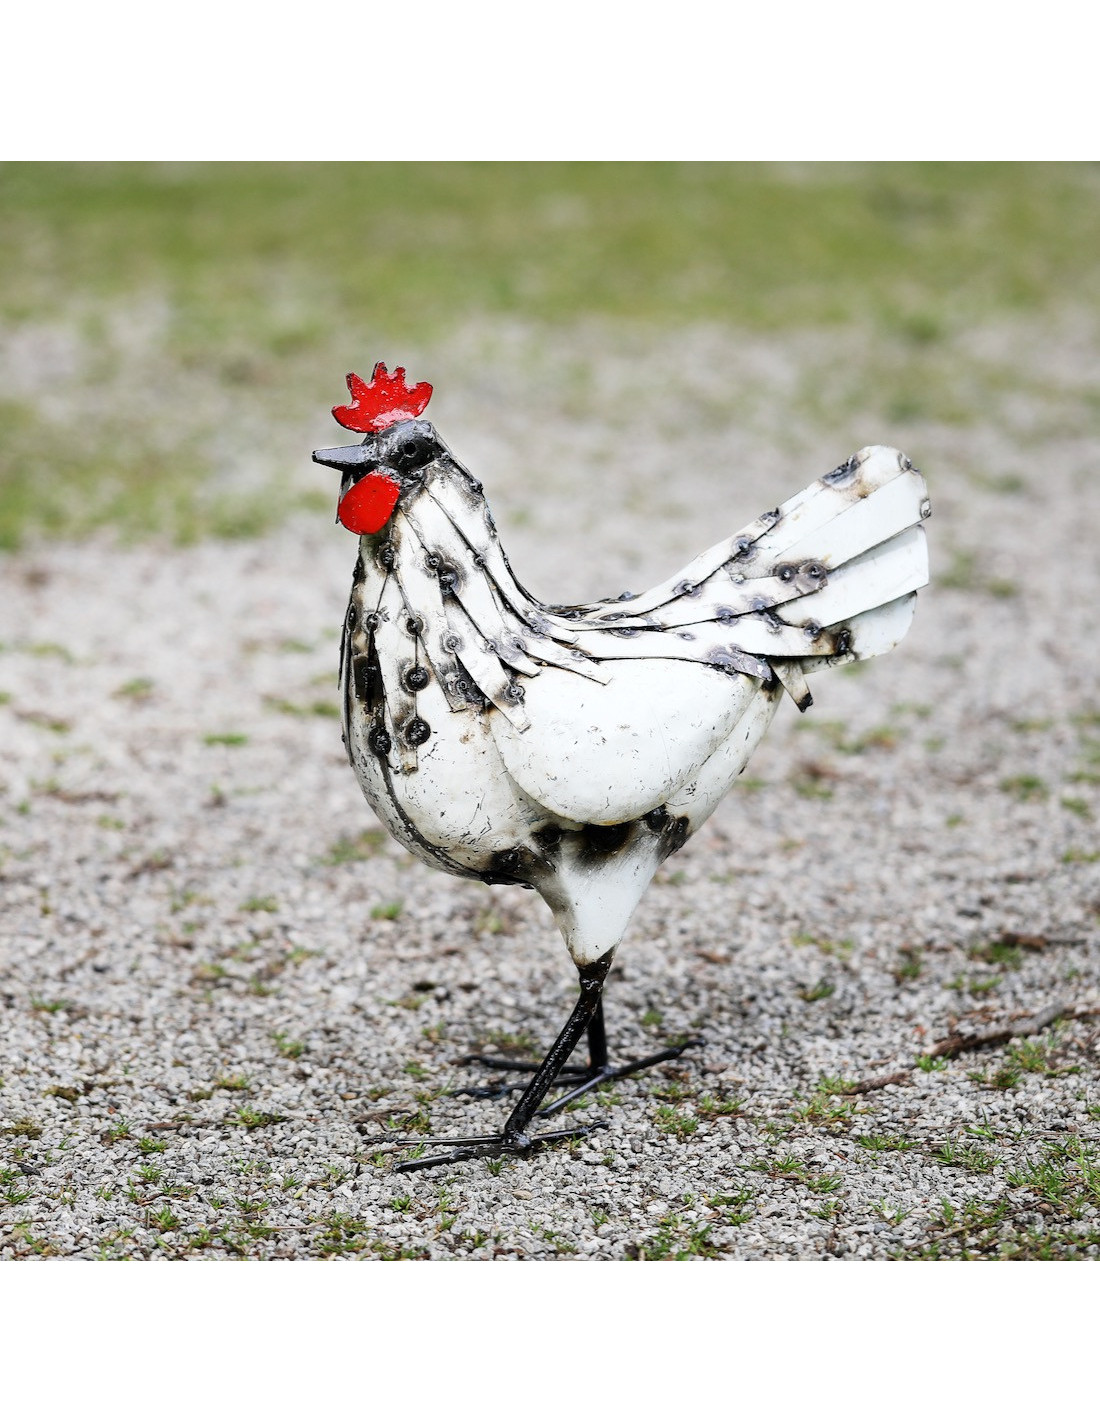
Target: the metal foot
(476, 1147)
(598, 1076)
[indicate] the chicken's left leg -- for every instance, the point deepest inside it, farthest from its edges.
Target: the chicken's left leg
(513, 1139)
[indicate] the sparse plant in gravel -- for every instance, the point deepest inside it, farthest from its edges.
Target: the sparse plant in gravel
(881, 1143)
(966, 1156)
(288, 1046)
(827, 1210)
(253, 1119)
(675, 1239)
(676, 1123)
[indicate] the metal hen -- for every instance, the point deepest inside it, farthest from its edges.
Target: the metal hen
(574, 748)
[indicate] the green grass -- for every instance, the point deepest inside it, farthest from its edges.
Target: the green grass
(1048, 1211)
(675, 1123)
(203, 314)
(1025, 787)
(404, 247)
(1002, 955)
(365, 845)
(675, 1239)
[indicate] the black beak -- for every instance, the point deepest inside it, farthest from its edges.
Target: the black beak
(349, 456)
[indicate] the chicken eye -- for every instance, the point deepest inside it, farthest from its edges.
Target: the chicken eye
(412, 453)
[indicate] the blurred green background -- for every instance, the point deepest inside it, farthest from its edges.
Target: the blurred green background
(169, 333)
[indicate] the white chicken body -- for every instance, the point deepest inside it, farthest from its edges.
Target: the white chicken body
(573, 749)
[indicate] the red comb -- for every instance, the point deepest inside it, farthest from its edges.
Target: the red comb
(383, 402)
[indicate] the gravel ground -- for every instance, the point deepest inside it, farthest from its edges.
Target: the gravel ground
(223, 986)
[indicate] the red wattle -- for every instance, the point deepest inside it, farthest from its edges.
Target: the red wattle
(366, 507)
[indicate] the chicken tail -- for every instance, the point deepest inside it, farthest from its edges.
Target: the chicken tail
(856, 536)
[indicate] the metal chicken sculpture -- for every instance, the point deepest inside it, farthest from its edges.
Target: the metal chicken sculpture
(573, 749)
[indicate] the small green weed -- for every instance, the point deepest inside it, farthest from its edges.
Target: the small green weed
(676, 1239)
(139, 689)
(876, 1143)
(288, 1046)
(252, 1119)
(717, 1108)
(66, 1093)
(827, 1210)
(1025, 787)
(1002, 955)
(25, 1127)
(328, 709)
(966, 1156)
(261, 904)
(675, 1122)
(352, 851)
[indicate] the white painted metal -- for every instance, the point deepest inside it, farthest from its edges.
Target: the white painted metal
(573, 749)
(607, 754)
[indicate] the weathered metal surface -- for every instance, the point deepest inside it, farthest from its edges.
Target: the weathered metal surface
(573, 748)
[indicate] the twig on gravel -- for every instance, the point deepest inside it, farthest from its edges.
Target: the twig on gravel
(876, 1083)
(960, 1042)
(997, 1036)
(80, 797)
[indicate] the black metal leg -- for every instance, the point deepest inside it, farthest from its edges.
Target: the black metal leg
(514, 1140)
(592, 978)
(599, 1068)
(597, 1040)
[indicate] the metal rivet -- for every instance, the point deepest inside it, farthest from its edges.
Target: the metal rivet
(417, 678)
(417, 731)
